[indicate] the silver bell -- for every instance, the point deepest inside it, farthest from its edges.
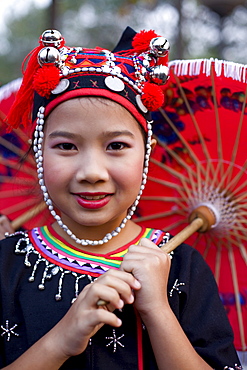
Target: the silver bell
(51, 38)
(49, 55)
(159, 46)
(159, 74)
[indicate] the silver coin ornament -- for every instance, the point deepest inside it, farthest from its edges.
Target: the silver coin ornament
(114, 83)
(61, 87)
(140, 104)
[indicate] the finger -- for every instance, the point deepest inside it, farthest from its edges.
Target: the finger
(148, 243)
(118, 275)
(123, 289)
(104, 317)
(5, 225)
(93, 292)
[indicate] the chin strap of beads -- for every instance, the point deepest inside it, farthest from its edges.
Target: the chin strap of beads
(37, 147)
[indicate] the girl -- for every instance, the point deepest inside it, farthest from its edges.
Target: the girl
(92, 142)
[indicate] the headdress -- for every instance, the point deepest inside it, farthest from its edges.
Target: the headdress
(130, 75)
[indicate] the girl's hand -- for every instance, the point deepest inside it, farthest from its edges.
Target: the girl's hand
(5, 226)
(85, 317)
(150, 266)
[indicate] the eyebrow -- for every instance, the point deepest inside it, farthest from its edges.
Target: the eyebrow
(65, 134)
(112, 134)
(108, 134)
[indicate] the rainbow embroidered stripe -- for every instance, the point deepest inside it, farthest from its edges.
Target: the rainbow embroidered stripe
(53, 248)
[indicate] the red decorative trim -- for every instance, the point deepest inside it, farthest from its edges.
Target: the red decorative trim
(98, 92)
(139, 341)
(109, 254)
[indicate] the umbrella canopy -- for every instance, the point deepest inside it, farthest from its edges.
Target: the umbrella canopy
(20, 197)
(201, 160)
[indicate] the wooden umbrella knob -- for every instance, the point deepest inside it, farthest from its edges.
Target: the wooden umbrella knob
(207, 214)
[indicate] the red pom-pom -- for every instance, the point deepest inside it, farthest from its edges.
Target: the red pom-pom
(142, 40)
(45, 80)
(152, 96)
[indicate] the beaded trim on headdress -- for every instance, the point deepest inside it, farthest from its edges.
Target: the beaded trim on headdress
(56, 73)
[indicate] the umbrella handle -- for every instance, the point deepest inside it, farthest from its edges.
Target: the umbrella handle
(19, 221)
(173, 243)
(201, 219)
(179, 238)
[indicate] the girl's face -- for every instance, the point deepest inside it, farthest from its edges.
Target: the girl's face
(93, 163)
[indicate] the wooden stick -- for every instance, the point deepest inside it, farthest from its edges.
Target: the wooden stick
(19, 221)
(201, 219)
(173, 243)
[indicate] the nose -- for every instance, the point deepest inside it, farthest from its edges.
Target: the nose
(92, 167)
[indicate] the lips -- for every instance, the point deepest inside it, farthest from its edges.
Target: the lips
(93, 200)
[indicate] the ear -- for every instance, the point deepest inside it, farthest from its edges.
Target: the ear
(153, 143)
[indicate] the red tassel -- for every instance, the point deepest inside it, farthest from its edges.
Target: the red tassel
(46, 79)
(152, 97)
(20, 112)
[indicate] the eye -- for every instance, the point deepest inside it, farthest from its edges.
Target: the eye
(66, 146)
(117, 146)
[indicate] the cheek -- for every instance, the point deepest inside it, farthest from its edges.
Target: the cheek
(130, 177)
(54, 171)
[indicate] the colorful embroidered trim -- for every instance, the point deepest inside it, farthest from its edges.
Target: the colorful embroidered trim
(59, 252)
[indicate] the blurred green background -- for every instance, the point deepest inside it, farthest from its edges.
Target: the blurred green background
(195, 28)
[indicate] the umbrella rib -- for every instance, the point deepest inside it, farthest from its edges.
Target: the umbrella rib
(236, 179)
(159, 215)
(17, 166)
(240, 125)
(18, 207)
(243, 220)
(217, 120)
(23, 136)
(162, 199)
(183, 140)
(174, 225)
(181, 177)
(168, 169)
(236, 233)
(236, 292)
(15, 193)
(19, 221)
(165, 183)
(218, 262)
(10, 146)
(240, 245)
(208, 245)
(12, 180)
(215, 181)
(175, 156)
(201, 138)
(175, 200)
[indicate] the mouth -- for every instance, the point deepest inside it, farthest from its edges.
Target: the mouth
(93, 200)
(92, 197)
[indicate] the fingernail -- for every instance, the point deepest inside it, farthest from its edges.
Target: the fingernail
(137, 284)
(132, 298)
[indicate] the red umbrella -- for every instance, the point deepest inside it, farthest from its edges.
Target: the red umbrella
(201, 161)
(20, 197)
